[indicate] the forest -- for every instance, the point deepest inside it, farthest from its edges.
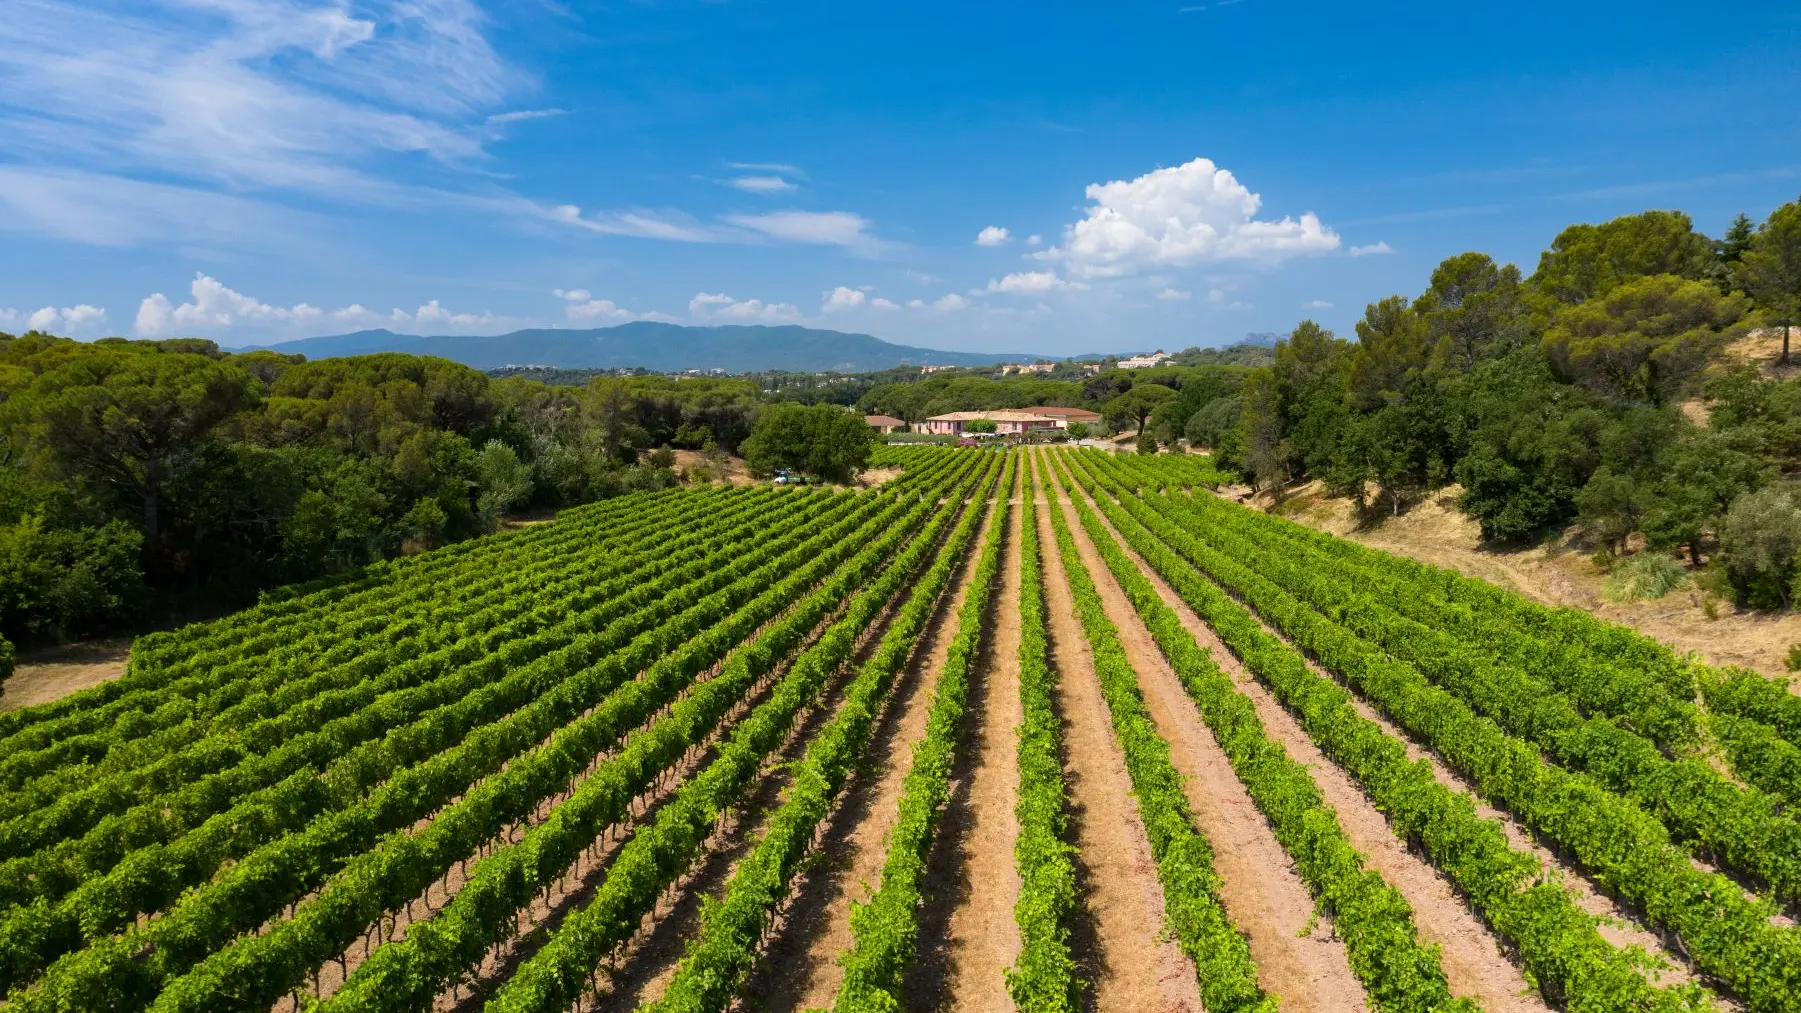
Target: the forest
(152, 481)
(1596, 391)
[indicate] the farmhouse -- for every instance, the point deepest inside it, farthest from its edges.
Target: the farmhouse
(1005, 422)
(1065, 416)
(885, 424)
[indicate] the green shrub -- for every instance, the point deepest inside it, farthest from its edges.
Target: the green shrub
(1647, 576)
(59, 584)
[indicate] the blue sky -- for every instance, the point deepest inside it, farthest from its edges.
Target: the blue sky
(1166, 174)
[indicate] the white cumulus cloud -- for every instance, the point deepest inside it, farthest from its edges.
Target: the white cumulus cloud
(217, 311)
(949, 302)
(993, 235)
(719, 306)
(1030, 283)
(572, 294)
(1188, 214)
(214, 308)
(433, 313)
(1034, 239)
(1175, 295)
(1316, 304)
(69, 320)
(842, 298)
(1370, 250)
(596, 309)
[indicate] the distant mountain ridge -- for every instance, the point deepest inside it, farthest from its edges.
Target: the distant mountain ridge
(655, 346)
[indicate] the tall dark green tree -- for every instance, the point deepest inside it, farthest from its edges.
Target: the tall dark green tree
(822, 440)
(1702, 473)
(131, 422)
(1528, 445)
(1393, 349)
(1588, 261)
(1770, 269)
(1472, 309)
(1646, 339)
(1312, 375)
(1737, 239)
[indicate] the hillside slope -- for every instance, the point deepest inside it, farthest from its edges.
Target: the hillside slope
(1554, 573)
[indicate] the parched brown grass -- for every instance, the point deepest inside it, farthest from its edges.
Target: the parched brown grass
(1556, 573)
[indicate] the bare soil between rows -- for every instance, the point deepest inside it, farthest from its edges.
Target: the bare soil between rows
(968, 933)
(799, 969)
(1299, 958)
(1121, 948)
(1619, 924)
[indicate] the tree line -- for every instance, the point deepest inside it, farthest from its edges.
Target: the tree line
(147, 481)
(1593, 391)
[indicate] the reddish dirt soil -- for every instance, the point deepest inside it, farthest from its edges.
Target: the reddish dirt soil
(55, 672)
(1123, 952)
(963, 970)
(799, 969)
(1262, 892)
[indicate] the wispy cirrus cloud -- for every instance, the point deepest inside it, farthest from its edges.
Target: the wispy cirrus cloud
(780, 167)
(642, 223)
(760, 184)
(250, 93)
(818, 228)
(522, 115)
(106, 210)
(130, 121)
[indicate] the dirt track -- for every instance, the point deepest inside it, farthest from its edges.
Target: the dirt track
(55, 672)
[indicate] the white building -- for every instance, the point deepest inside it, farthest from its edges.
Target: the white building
(1156, 358)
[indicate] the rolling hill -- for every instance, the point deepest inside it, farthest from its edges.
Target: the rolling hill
(653, 345)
